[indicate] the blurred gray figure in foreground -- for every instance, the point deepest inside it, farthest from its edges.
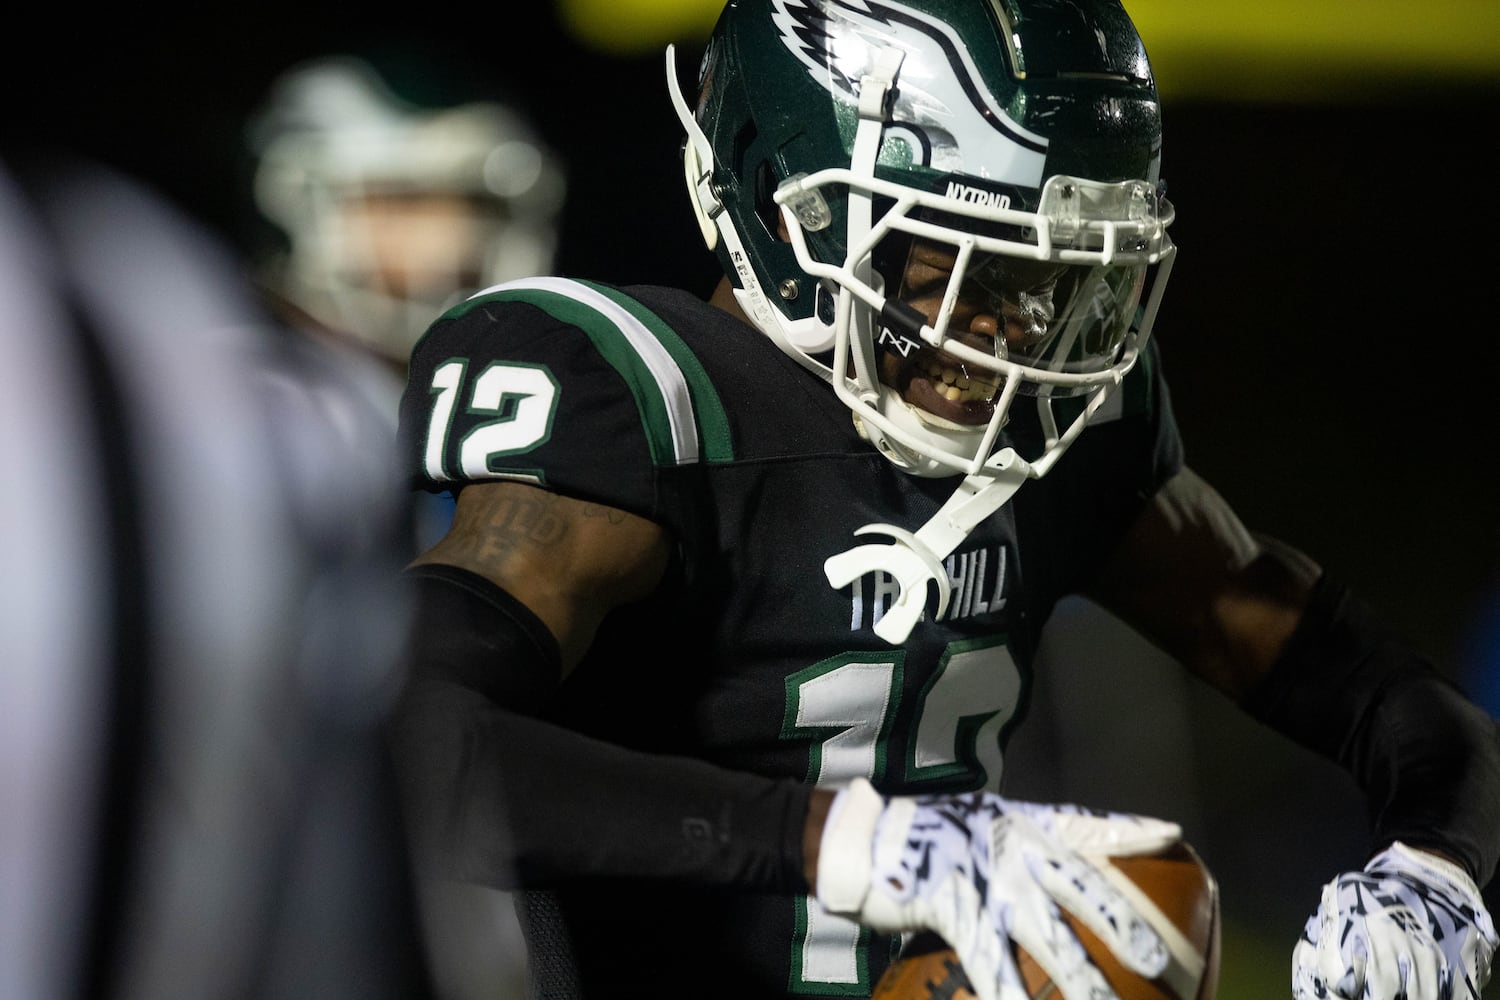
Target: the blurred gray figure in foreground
(199, 622)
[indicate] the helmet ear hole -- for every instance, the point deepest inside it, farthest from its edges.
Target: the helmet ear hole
(766, 208)
(826, 304)
(755, 175)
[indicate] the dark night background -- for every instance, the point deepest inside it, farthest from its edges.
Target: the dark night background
(1329, 330)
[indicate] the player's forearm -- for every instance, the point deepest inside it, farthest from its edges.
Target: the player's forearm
(495, 794)
(1426, 757)
(1430, 764)
(496, 797)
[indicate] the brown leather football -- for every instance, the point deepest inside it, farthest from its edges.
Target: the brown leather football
(1174, 890)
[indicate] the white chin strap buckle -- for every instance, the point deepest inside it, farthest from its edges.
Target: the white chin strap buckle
(914, 560)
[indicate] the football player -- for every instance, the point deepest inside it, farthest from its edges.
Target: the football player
(393, 210)
(741, 596)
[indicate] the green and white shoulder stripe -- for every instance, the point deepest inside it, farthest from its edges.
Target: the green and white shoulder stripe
(680, 410)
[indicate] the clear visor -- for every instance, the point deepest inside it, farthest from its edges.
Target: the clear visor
(1040, 314)
(1055, 317)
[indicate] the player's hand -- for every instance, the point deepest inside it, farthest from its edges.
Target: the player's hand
(983, 872)
(1411, 925)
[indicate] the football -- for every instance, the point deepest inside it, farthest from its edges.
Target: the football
(1174, 890)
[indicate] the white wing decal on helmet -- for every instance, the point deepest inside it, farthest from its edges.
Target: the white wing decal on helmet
(943, 108)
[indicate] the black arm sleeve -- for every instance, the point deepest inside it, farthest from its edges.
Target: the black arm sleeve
(1426, 757)
(498, 796)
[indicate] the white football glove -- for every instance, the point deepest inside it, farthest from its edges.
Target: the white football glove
(1410, 926)
(983, 872)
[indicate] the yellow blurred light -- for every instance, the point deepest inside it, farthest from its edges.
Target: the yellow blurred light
(1224, 50)
(1295, 50)
(638, 27)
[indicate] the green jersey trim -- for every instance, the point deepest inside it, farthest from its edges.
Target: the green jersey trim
(712, 422)
(681, 414)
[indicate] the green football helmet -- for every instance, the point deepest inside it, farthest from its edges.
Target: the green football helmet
(835, 144)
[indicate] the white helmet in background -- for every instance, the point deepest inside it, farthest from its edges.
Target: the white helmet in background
(395, 211)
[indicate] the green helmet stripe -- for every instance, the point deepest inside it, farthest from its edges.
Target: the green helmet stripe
(680, 413)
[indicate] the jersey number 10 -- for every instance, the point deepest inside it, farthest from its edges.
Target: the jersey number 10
(846, 704)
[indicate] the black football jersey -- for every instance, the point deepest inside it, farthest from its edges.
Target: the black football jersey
(652, 401)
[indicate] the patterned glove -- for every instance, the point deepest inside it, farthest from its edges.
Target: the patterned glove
(983, 872)
(1411, 925)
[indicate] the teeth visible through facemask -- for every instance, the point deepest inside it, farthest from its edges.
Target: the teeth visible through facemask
(958, 387)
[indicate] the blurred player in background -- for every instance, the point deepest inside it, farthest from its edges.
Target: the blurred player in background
(391, 210)
(197, 621)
